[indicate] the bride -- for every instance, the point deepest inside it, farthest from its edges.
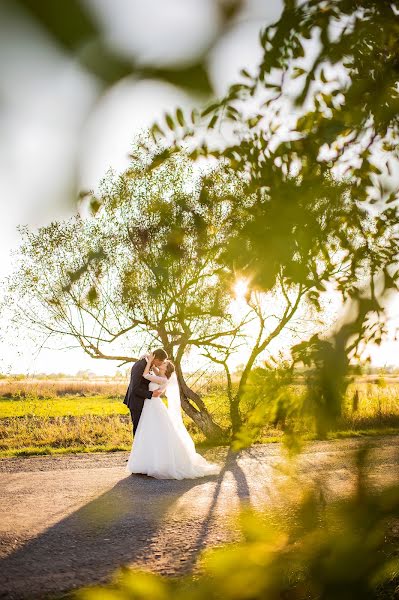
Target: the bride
(162, 446)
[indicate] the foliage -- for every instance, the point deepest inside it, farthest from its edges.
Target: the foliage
(315, 181)
(74, 29)
(278, 402)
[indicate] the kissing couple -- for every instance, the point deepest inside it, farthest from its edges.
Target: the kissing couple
(162, 447)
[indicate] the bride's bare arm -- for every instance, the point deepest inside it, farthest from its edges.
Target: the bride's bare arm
(148, 365)
(155, 378)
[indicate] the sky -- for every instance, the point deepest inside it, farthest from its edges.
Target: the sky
(56, 122)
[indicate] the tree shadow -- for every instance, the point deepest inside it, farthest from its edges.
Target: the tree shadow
(88, 546)
(244, 495)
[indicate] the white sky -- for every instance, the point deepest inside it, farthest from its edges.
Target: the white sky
(53, 120)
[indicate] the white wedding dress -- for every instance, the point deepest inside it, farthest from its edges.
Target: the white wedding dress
(162, 447)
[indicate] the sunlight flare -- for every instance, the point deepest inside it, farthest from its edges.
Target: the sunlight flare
(241, 288)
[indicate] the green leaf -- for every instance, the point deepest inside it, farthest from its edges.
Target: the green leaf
(374, 169)
(245, 74)
(180, 117)
(298, 72)
(213, 121)
(210, 109)
(169, 121)
(194, 116)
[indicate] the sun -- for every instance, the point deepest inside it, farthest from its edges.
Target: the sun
(240, 288)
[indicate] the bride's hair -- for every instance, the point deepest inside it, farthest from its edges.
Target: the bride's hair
(170, 368)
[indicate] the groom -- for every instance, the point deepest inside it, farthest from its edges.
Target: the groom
(138, 390)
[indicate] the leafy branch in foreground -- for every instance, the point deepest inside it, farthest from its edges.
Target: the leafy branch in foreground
(321, 134)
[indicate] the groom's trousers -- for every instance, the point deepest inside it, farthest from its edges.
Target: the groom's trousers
(136, 411)
(137, 392)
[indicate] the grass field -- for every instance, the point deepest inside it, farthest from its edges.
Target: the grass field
(45, 417)
(72, 406)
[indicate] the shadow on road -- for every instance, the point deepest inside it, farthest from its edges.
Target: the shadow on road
(89, 545)
(231, 465)
(119, 527)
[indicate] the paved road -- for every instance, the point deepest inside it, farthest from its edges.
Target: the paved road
(71, 521)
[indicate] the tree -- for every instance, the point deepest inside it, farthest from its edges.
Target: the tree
(267, 316)
(142, 271)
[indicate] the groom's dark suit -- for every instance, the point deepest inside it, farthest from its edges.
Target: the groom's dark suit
(137, 391)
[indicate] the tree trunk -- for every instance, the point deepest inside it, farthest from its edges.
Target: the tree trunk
(198, 413)
(235, 416)
(204, 421)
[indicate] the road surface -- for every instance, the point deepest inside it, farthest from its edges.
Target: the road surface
(71, 521)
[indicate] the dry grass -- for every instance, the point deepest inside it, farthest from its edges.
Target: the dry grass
(58, 388)
(67, 433)
(377, 403)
